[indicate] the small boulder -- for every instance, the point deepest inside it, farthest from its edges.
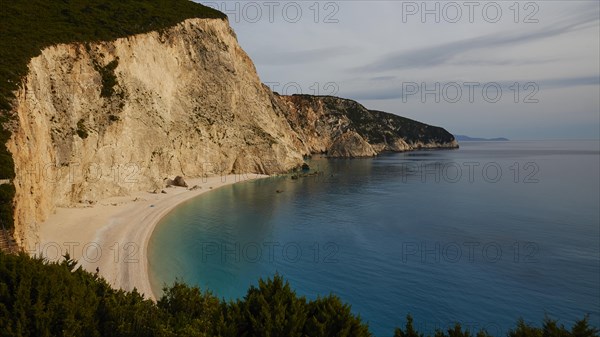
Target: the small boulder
(178, 181)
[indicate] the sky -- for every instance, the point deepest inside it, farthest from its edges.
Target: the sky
(521, 70)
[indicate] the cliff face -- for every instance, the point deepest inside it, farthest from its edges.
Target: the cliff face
(343, 128)
(104, 119)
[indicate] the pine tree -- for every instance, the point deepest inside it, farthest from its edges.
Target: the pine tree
(582, 328)
(410, 330)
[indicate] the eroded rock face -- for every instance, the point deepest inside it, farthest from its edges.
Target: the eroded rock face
(350, 144)
(343, 128)
(106, 119)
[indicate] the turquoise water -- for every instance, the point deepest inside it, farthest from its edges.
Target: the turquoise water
(481, 235)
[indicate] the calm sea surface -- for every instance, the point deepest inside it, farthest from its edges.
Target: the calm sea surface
(482, 235)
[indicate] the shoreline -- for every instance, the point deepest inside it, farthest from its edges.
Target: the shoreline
(113, 234)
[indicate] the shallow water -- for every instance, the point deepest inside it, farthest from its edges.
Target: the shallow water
(481, 235)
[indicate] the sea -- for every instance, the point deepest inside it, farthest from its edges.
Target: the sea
(482, 235)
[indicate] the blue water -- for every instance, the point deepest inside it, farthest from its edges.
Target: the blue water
(443, 235)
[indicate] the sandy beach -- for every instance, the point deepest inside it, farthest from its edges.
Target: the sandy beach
(113, 234)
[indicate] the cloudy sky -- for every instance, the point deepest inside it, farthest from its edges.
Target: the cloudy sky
(526, 70)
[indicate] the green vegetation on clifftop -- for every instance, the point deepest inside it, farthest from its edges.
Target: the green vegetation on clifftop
(29, 26)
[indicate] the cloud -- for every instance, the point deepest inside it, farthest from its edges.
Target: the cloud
(447, 52)
(383, 78)
(552, 83)
(561, 51)
(487, 63)
(569, 82)
(303, 56)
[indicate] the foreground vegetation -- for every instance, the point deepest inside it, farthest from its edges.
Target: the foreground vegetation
(26, 27)
(53, 299)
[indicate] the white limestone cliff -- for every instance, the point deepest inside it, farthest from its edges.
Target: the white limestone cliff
(187, 101)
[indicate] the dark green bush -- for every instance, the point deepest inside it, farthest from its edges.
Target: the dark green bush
(109, 79)
(53, 299)
(81, 130)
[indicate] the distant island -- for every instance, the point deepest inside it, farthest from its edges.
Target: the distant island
(463, 138)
